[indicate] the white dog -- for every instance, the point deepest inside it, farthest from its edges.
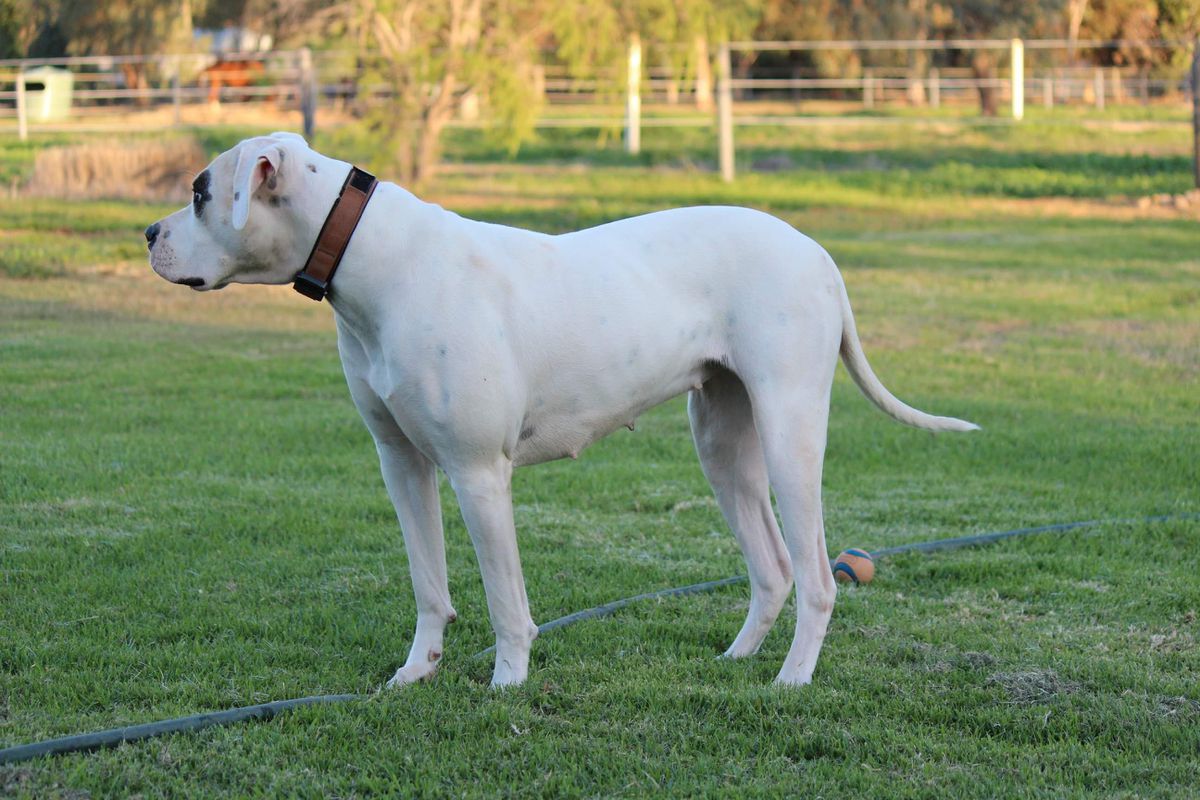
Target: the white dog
(477, 348)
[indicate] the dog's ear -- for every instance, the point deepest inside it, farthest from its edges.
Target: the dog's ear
(255, 166)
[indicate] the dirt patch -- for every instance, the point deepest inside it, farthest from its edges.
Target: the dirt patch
(1119, 208)
(918, 655)
(1172, 641)
(17, 780)
(978, 660)
(1172, 344)
(1181, 709)
(990, 337)
(1032, 687)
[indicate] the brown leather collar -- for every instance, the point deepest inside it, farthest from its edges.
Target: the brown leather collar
(313, 281)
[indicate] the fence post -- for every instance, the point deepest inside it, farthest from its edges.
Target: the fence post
(1018, 79)
(1098, 83)
(22, 110)
(704, 89)
(633, 98)
(308, 93)
(935, 88)
(725, 114)
(1196, 112)
(1048, 91)
(868, 89)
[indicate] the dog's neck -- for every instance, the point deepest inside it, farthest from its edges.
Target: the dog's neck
(373, 271)
(340, 224)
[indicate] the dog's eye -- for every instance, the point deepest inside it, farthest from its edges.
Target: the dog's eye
(200, 195)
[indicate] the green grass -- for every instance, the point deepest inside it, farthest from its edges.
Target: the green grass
(42, 238)
(191, 516)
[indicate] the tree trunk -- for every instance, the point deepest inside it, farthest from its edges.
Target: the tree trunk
(185, 24)
(918, 63)
(983, 65)
(1075, 11)
(135, 78)
(466, 26)
(429, 143)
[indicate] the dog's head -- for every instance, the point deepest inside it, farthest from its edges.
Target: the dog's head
(248, 219)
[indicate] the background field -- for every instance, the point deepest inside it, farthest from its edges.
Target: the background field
(191, 516)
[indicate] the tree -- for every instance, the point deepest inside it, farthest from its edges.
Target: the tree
(24, 30)
(286, 21)
(591, 35)
(128, 27)
(1179, 19)
(704, 21)
(124, 27)
(431, 54)
(997, 19)
(10, 30)
(1134, 22)
(787, 20)
(1075, 11)
(219, 13)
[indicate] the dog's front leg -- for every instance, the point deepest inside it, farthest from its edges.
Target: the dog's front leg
(411, 481)
(485, 496)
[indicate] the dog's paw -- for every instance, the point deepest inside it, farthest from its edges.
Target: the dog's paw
(411, 673)
(739, 651)
(508, 673)
(793, 678)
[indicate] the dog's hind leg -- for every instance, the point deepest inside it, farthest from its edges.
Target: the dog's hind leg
(732, 459)
(792, 428)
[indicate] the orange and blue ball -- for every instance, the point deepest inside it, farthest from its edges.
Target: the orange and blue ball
(854, 566)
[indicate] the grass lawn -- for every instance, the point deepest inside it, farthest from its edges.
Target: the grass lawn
(191, 515)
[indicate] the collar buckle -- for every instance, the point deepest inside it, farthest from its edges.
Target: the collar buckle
(311, 287)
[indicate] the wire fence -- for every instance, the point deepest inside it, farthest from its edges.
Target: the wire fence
(755, 83)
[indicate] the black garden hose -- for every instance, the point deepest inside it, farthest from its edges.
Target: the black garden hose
(112, 737)
(264, 711)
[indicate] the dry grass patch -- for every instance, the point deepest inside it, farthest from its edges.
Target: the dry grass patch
(145, 171)
(1033, 686)
(1118, 209)
(1174, 345)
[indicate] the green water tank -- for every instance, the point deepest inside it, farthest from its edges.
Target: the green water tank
(48, 93)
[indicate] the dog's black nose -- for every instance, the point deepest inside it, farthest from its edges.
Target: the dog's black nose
(152, 234)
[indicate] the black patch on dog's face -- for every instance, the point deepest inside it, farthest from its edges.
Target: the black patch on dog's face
(200, 192)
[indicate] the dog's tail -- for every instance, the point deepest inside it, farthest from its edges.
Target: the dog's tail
(856, 364)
